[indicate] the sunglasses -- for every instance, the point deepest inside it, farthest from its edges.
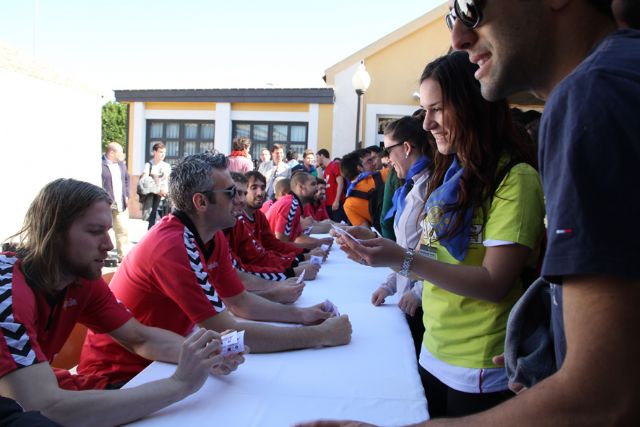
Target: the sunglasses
(469, 12)
(230, 192)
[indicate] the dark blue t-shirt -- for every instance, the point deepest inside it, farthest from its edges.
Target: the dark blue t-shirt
(589, 163)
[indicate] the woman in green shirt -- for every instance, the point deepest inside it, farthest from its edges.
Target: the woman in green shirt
(483, 225)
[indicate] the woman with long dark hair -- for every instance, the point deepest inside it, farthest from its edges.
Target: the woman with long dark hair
(483, 225)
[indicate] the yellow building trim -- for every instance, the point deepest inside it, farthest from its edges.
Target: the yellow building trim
(279, 107)
(130, 137)
(325, 127)
(198, 106)
(435, 14)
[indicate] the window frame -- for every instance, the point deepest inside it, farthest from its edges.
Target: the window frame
(181, 137)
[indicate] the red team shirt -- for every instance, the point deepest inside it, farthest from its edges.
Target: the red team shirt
(284, 216)
(316, 211)
(262, 230)
(330, 174)
(169, 280)
(33, 330)
(249, 255)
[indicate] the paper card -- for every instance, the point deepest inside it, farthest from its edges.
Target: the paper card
(301, 277)
(344, 232)
(329, 307)
(316, 260)
(325, 247)
(232, 343)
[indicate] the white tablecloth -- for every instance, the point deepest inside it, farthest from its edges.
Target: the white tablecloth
(374, 378)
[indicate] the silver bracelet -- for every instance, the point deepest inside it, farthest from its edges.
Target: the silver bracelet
(406, 262)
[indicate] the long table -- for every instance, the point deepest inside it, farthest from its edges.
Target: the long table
(373, 379)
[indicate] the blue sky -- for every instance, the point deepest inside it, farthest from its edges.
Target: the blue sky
(126, 44)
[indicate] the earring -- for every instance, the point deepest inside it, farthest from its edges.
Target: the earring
(406, 155)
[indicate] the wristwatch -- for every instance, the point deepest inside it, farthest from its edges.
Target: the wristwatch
(406, 262)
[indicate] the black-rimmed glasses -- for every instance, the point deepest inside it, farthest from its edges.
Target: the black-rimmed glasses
(468, 11)
(387, 150)
(230, 192)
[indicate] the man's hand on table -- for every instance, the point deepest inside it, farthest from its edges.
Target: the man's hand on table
(310, 271)
(317, 252)
(199, 354)
(288, 291)
(337, 331)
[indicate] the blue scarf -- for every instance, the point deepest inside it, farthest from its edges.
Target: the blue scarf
(400, 195)
(355, 182)
(447, 194)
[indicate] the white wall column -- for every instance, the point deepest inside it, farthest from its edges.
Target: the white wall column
(139, 137)
(223, 127)
(314, 127)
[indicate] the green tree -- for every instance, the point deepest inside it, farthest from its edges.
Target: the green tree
(114, 124)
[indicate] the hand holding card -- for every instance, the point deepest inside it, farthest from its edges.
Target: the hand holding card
(232, 343)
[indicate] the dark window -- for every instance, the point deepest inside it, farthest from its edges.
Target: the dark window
(291, 135)
(181, 137)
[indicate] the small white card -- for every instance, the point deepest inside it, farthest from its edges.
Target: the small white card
(325, 247)
(301, 277)
(316, 260)
(232, 343)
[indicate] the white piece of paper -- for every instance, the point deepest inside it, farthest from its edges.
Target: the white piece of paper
(301, 277)
(316, 260)
(232, 343)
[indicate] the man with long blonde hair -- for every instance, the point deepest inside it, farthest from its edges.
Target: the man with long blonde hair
(52, 281)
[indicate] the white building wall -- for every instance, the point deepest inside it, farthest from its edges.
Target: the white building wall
(47, 131)
(223, 127)
(139, 137)
(314, 126)
(344, 113)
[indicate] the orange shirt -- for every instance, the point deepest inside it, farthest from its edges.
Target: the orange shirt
(357, 209)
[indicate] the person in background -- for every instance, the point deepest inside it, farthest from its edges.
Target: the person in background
(365, 193)
(411, 154)
(376, 156)
(159, 170)
(390, 186)
(285, 215)
(265, 156)
(115, 181)
(292, 159)
(335, 185)
(275, 170)
(239, 160)
(53, 281)
(283, 187)
(307, 164)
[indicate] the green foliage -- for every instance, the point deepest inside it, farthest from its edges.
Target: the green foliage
(114, 124)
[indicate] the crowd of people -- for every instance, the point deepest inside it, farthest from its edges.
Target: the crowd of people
(455, 202)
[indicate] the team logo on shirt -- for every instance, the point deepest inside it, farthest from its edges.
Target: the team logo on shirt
(13, 332)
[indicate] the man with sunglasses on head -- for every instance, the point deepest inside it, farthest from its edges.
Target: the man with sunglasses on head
(569, 53)
(180, 275)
